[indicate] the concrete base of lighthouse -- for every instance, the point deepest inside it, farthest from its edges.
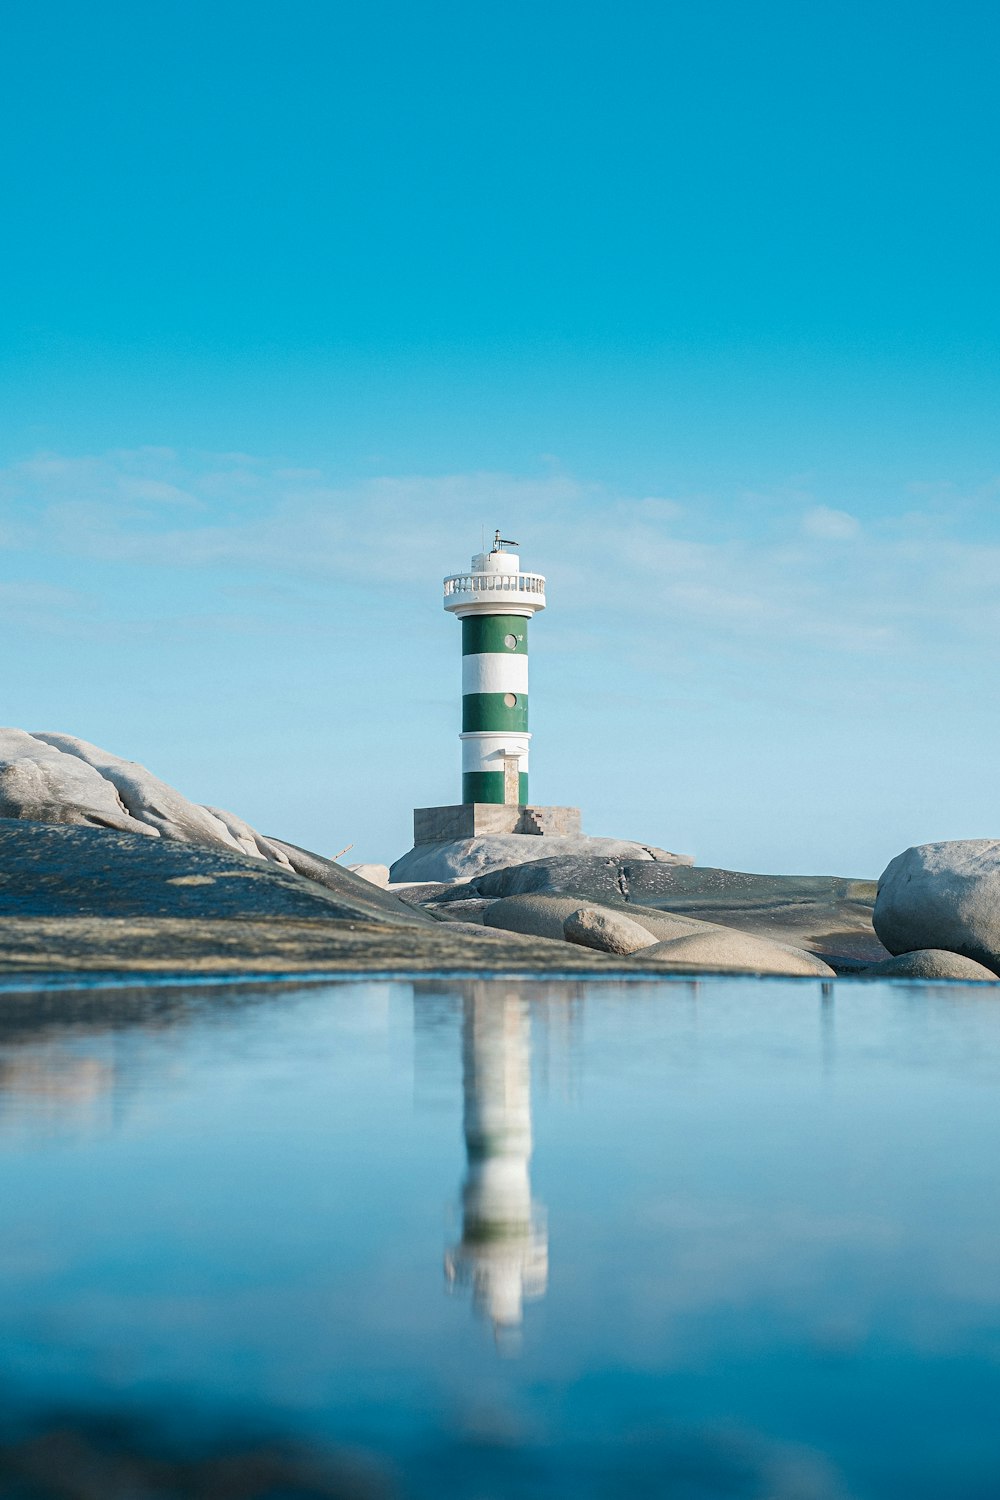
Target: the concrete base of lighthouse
(470, 820)
(457, 843)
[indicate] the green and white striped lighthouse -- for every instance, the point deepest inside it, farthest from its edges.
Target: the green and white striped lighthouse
(494, 601)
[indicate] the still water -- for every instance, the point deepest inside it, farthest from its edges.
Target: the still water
(544, 1239)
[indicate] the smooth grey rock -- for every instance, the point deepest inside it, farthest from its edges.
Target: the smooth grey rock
(375, 874)
(608, 931)
(205, 944)
(56, 778)
(459, 911)
(943, 895)
(420, 892)
(55, 870)
(92, 899)
(540, 916)
(326, 872)
(545, 916)
(725, 950)
(464, 859)
(827, 915)
(930, 963)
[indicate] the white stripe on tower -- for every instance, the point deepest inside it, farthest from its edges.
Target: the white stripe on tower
(485, 752)
(489, 672)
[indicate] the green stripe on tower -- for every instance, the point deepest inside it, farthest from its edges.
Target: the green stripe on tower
(492, 712)
(491, 633)
(487, 786)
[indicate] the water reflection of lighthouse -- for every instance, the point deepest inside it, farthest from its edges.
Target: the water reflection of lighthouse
(503, 1251)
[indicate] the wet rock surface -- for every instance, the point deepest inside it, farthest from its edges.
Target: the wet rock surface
(171, 945)
(87, 1456)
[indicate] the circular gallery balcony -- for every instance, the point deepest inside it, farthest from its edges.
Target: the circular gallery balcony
(494, 592)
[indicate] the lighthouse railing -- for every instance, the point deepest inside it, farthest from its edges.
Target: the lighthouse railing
(501, 583)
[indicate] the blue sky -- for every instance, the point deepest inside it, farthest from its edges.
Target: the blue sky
(699, 301)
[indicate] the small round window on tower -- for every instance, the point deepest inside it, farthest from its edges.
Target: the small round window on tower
(510, 700)
(510, 641)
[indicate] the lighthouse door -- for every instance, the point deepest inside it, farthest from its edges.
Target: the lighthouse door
(511, 781)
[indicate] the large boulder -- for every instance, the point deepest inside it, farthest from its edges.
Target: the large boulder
(681, 943)
(376, 874)
(538, 916)
(827, 915)
(56, 778)
(607, 931)
(725, 951)
(546, 916)
(943, 895)
(92, 899)
(48, 870)
(467, 859)
(931, 963)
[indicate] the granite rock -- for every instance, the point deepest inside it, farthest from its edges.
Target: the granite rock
(56, 778)
(92, 899)
(539, 916)
(680, 942)
(545, 916)
(465, 859)
(203, 944)
(943, 895)
(930, 963)
(375, 874)
(55, 870)
(460, 911)
(608, 931)
(827, 915)
(724, 950)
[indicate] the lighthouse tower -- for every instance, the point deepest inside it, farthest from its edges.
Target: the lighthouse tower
(495, 602)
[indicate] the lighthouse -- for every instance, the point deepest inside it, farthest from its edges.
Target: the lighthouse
(494, 600)
(495, 603)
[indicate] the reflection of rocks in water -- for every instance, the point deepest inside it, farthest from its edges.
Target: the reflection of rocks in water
(56, 1083)
(503, 1251)
(68, 1053)
(89, 1458)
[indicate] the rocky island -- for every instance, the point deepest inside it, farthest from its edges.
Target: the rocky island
(104, 867)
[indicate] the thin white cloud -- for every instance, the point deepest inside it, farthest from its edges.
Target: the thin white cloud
(40, 609)
(674, 566)
(828, 525)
